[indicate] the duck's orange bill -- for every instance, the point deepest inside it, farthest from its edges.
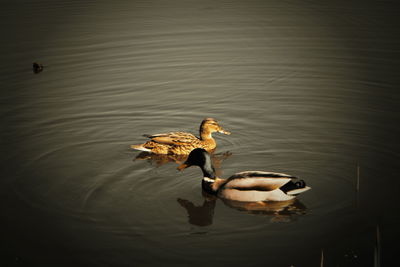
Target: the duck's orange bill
(183, 166)
(224, 132)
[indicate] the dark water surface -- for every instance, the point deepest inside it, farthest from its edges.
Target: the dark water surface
(306, 88)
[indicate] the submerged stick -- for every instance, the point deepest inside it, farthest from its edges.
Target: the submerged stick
(322, 257)
(377, 252)
(358, 178)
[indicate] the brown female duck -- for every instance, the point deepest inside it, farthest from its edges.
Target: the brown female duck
(181, 143)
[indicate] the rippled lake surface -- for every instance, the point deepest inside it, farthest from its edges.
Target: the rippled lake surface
(306, 88)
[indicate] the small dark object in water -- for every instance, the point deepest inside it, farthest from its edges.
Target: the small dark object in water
(37, 67)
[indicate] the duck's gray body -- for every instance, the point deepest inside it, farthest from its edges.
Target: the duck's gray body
(248, 186)
(255, 186)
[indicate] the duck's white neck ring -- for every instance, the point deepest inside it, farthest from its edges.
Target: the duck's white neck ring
(208, 180)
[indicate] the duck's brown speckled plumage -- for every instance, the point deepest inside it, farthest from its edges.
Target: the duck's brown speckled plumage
(182, 143)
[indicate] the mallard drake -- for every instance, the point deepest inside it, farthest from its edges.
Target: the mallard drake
(248, 186)
(181, 143)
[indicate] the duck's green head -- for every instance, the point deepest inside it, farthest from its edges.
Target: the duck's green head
(199, 157)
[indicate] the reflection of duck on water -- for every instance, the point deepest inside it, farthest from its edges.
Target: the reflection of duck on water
(160, 159)
(249, 186)
(280, 211)
(199, 215)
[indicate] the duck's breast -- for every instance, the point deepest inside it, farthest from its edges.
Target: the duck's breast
(208, 144)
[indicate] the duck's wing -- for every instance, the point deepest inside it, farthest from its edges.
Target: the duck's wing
(173, 138)
(257, 180)
(250, 174)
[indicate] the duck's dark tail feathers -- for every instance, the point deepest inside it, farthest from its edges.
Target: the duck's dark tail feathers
(295, 188)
